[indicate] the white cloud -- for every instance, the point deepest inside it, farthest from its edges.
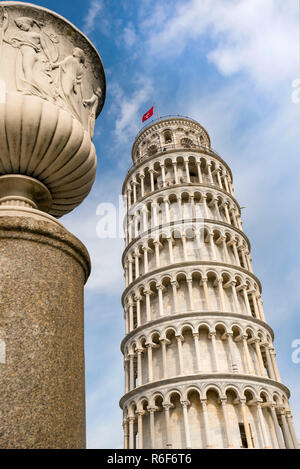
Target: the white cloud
(89, 21)
(128, 109)
(259, 37)
(129, 36)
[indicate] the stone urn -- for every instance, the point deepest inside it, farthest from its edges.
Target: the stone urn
(52, 88)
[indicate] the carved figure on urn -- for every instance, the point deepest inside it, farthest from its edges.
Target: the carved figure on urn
(49, 63)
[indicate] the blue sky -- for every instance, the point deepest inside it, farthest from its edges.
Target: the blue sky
(230, 65)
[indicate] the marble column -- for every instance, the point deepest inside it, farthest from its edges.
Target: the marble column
(246, 423)
(206, 424)
(226, 422)
(186, 424)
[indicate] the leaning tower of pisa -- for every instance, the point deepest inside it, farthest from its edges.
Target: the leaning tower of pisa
(199, 360)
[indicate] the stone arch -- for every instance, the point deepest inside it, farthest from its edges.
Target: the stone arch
(142, 403)
(172, 392)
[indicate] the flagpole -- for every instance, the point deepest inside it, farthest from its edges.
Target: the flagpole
(156, 110)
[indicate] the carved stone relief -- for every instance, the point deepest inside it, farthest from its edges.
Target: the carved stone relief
(50, 61)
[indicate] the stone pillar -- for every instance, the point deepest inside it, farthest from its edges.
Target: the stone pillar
(160, 289)
(126, 374)
(151, 171)
(148, 305)
(145, 249)
(175, 172)
(218, 216)
(226, 183)
(227, 213)
(250, 369)
(274, 363)
(152, 426)
(211, 181)
(136, 256)
(186, 424)
(286, 432)
(226, 421)
(174, 291)
(139, 352)
(179, 346)
(140, 414)
(254, 300)
(142, 177)
(260, 359)
(199, 172)
(150, 367)
(290, 423)
(236, 255)
(196, 342)
(163, 174)
(187, 171)
(269, 362)
(221, 293)
(167, 424)
(134, 183)
(247, 301)
(232, 353)
(212, 246)
(277, 427)
(260, 305)
(235, 298)
(246, 423)
(130, 316)
(170, 243)
(262, 424)
(206, 423)
(131, 432)
(227, 259)
(131, 371)
(42, 318)
(219, 179)
(130, 270)
(164, 343)
(206, 293)
(185, 256)
(156, 246)
(212, 336)
(190, 291)
(126, 433)
(204, 198)
(138, 309)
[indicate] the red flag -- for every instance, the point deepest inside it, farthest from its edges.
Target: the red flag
(148, 114)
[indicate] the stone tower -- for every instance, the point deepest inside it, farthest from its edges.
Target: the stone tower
(199, 360)
(52, 87)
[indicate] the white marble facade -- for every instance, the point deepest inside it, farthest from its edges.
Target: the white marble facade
(199, 359)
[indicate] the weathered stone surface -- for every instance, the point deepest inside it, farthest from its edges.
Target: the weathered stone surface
(43, 269)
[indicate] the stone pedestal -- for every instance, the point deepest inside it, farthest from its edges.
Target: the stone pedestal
(43, 269)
